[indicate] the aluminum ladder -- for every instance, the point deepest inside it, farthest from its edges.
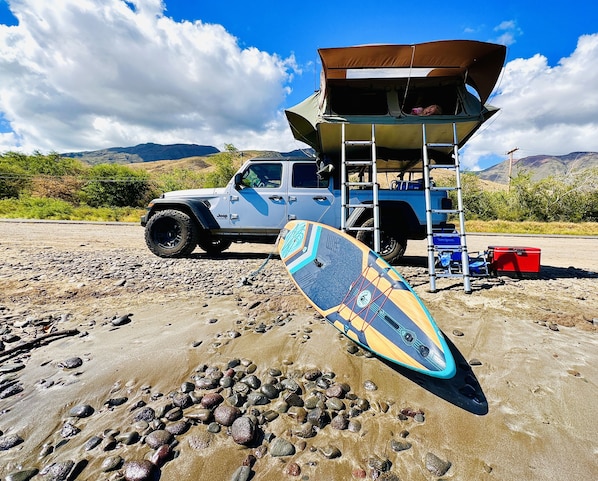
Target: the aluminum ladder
(434, 270)
(350, 161)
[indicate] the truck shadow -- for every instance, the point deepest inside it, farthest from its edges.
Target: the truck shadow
(233, 256)
(546, 272)
(463, 390)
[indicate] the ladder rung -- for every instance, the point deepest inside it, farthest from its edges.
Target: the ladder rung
(445, 211)
(443, 166)
(357, 163)
(358, 142)
(371, 229)
(440, 144)
(444, 189)
(356, 184)
(365, 206)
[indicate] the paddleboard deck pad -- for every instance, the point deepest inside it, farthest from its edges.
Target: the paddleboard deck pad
(366, 299)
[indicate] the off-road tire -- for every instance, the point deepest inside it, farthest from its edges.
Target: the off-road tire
(171, 233)
(391, 248)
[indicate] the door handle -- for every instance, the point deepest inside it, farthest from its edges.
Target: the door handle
(319, 197)
(277, 198)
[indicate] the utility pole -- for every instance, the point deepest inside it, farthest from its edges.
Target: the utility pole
(510, 154)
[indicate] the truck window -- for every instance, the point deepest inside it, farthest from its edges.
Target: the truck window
(263, 175)
(305, 176)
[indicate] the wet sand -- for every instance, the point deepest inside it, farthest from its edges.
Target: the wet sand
(525, 409)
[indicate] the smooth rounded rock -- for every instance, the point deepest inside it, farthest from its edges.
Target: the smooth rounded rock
(81, 411)
(155, 439)
(182, 400)
(211, 400)
(226, 415)
(281, 447)
(330, 452)
(177, 428)
(437, 466)
(71, 363)
(138, 470)
(9, 441)
(58, 471)
(243, 430)
(145, 414)
(22, 475)
(242, 473)
(111, 463)
(398, 446)
(69, 430)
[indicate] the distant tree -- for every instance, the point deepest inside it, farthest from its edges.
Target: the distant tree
(478, 202)
(224, 163)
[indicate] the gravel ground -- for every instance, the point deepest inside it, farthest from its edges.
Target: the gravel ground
(129, 325)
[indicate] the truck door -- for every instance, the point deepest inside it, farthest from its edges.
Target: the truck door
(260, 204)
(310, 197)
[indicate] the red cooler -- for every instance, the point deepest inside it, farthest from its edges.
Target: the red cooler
(517, 261)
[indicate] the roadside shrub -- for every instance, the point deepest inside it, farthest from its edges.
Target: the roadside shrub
(14, 180)
(28, 207)
(112, 185)
(179, 179)
(66, 188)
(40, 164)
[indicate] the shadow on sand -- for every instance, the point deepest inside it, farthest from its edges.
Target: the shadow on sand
(463, 390)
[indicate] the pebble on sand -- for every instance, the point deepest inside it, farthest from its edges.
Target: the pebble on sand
(9, 441)
(437, 466)
(138, 470)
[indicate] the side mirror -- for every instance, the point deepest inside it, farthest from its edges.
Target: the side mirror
(238, 179)
(325, 171)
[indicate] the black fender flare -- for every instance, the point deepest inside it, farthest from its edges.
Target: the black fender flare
(396, 217)
(197, 210)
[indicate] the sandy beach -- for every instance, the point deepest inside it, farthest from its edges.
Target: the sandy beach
(167, 335)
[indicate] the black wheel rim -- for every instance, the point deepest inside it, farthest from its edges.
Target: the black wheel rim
(387, 244)
(167, 233)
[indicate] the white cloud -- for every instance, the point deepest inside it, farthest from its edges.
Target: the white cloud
(509, 31)
(86, 74)
(544, 109)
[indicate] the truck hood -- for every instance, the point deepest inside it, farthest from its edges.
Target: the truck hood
(195, 193)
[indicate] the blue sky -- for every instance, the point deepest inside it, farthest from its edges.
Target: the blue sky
(90, 74)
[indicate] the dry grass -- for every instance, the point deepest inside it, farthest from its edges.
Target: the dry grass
(544, 228)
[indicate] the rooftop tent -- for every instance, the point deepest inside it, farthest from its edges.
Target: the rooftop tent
(381, 84)
(478, 64)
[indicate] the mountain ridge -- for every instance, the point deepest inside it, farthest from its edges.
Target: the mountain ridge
(541, 166)
(152, 152)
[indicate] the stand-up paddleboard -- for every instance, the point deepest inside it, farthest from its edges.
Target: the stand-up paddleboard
(364, 297)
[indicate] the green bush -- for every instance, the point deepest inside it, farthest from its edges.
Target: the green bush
(179, 179)
(13, 180)
(224, 168)
(35, 208)
(39, 164)
(113, 185)
(572, 198)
